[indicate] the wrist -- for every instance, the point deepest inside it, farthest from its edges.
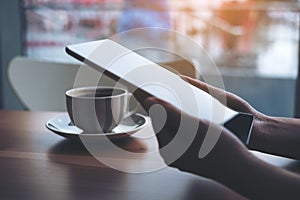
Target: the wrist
(276, 135)
(260, 132)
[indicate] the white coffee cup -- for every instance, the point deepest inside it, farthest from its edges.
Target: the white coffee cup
(97, 109)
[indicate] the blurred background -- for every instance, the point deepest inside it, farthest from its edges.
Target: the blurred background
(254, 43)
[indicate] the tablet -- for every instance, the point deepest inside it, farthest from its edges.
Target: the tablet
(145, 78)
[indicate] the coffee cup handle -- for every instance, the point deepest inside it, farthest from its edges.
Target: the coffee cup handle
(134, 110)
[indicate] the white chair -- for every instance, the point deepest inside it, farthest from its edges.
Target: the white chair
(41, 85)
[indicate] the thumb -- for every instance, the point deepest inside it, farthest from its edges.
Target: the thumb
(163, 114)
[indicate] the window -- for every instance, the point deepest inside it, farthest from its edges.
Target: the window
(254, 43)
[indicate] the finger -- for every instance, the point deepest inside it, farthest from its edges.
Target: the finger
(226, 98)
(203, 86)
(219, 94)
(158, 108)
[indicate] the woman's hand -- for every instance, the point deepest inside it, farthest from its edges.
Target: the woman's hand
(229, 162)
(183, 135)
(238, 104)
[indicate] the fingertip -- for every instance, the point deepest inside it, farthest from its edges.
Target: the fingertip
(150, 101)
(184, 77)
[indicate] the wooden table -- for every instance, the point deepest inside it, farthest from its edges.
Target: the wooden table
(38, 164)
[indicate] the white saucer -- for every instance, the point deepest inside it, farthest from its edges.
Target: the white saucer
(61, 125)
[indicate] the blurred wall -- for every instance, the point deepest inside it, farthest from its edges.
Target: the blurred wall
(10, 46)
